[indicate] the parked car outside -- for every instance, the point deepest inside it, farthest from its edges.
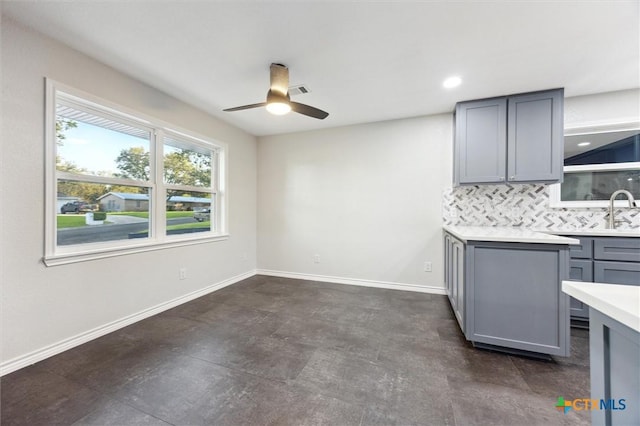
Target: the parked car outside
(202, 215)
(76, 207)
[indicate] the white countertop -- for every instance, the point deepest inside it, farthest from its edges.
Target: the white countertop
(620, 302)
(505, 234)
(595, 232)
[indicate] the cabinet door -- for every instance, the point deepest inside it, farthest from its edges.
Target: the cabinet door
(480, 146)
(447, 262)
(514, 296)
(535, 140)
(580, 270)
(616, 272)
(458, 249)
(453, 298)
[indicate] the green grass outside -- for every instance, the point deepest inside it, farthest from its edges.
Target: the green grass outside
(71, 221)
(204, 225)
(78, 220)
(170, 215)
(134, 214)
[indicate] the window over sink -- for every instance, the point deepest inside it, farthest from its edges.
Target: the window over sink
(598, 160)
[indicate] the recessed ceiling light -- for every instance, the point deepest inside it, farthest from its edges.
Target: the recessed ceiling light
(452, 82)
(584, 144)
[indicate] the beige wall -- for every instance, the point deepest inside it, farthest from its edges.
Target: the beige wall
(365, 198)
(43, 306)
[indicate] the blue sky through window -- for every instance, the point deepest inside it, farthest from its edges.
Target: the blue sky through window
(95, 148)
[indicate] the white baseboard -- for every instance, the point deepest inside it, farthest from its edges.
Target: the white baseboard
(54, 349)
(66, 344)
(354, 281)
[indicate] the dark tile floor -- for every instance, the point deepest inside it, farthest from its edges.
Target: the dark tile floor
(279, 351)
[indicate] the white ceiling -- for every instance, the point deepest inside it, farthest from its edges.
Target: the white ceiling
(363, 61)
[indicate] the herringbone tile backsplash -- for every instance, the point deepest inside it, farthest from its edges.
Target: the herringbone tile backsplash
(523, 205)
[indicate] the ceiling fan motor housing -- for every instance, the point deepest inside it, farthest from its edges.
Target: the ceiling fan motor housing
(277, 97)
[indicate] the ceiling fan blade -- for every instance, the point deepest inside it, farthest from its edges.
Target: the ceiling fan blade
(308, 110)
(240, 108)
(279, 78)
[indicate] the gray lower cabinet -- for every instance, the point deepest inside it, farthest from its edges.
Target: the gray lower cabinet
(611, 260)
(508, 296)
(617, 249)
(454, 276)
(616, 272)
(510, 139)
(614, 351)
(580, 270)
(584, 250)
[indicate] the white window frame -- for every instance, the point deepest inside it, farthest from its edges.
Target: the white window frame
(591, 128)
(158, 238)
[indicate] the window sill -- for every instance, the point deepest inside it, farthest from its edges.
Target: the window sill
(83, 256)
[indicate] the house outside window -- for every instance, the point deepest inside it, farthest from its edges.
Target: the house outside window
(142, 175)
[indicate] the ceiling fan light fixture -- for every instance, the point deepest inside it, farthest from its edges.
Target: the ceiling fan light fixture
(278, 100)
(278, 108)
(278, 103)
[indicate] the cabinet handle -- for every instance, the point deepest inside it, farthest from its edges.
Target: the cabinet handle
(501, 177)
(512, 178)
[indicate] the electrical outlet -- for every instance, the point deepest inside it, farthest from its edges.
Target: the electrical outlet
(428, 267)
(182, 273)
(316, 258)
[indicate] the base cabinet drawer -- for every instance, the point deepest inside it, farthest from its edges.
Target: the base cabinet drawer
(616, 272)
(612, 260)
(617, 249)
(584, 250)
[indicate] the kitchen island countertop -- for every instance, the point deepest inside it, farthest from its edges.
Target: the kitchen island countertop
(617, 301)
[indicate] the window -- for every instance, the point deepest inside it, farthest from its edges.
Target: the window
(119, 183)
(597, 162)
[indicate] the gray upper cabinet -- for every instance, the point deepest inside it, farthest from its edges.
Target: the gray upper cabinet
(535, 147)
(481, 134)
(513, 139)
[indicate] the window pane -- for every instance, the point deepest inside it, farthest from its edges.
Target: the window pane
(186, 164)
(190, 212)
(599, 185)
(601, 148)
(91, 145)
(120, 213)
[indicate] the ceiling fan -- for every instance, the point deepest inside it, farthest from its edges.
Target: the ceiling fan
(278, 101)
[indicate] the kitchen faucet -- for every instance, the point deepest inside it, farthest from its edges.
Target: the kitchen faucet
(632, 204)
